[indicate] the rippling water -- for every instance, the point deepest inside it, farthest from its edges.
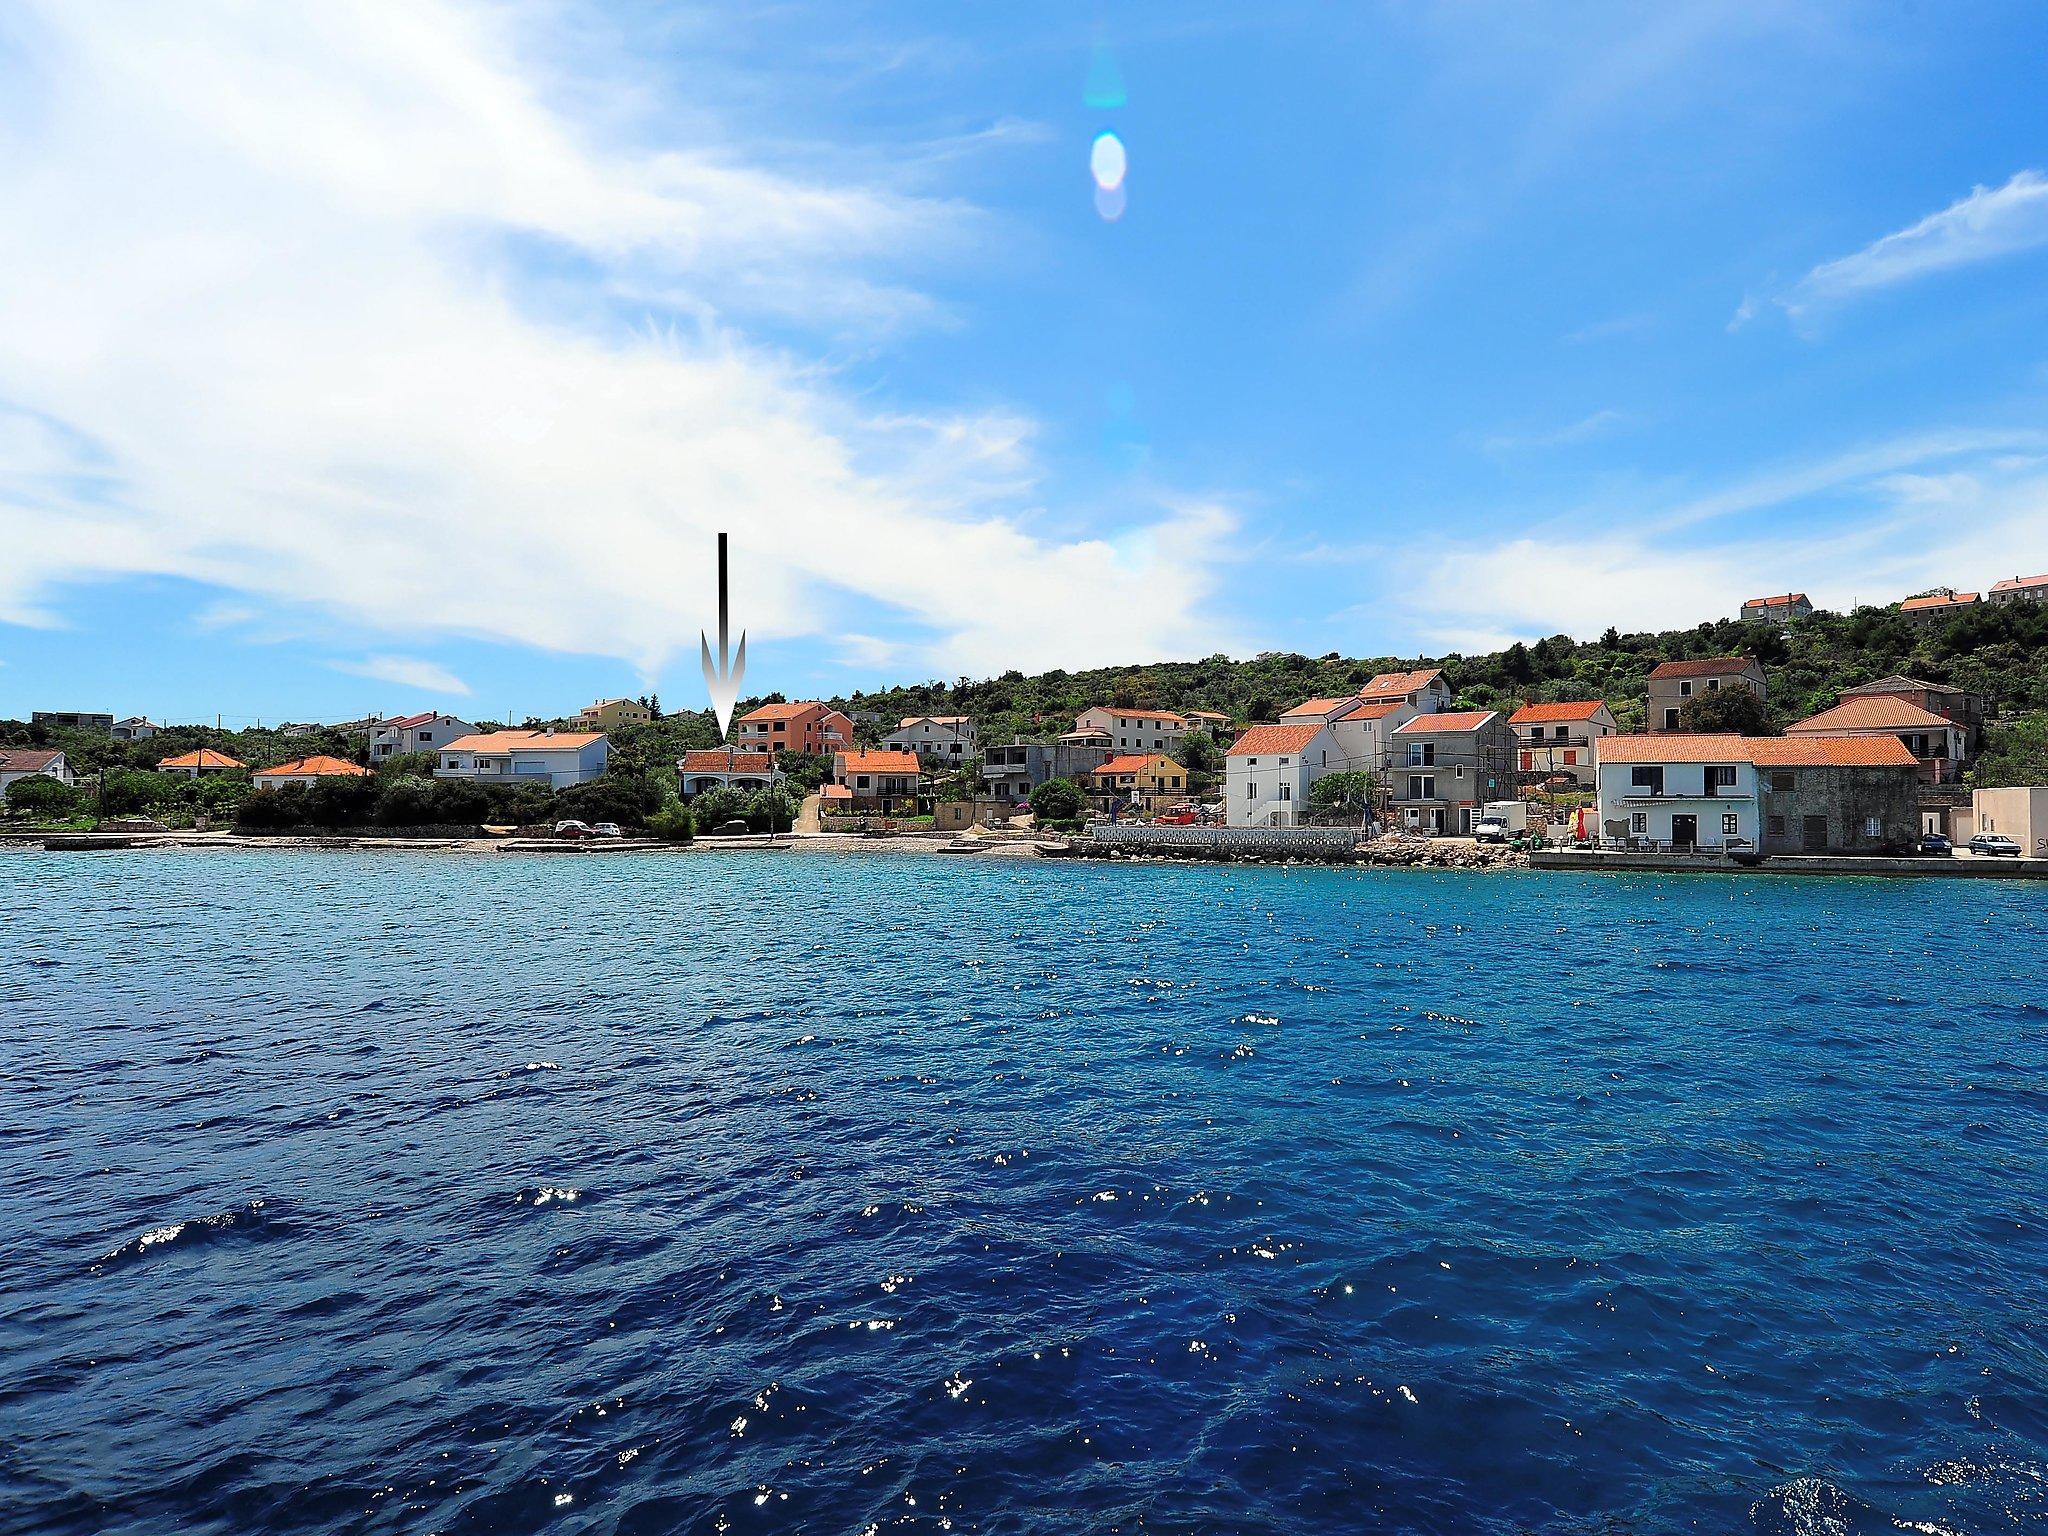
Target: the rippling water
(861, 1194)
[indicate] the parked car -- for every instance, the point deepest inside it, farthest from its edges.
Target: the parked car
(606, 829)
(1177, 818)
(733, 828)
(1995, 845)
(1936, 842)
(573, 831)
(1490, 829)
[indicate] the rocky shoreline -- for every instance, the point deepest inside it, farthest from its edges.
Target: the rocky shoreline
(1385, 852)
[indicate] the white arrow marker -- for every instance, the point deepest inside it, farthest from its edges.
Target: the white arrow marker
(723, 685)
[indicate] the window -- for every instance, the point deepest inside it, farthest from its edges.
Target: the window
(1251, 790)
(1685, 689)
(1781, 783)
(1713, 685)
(1670, 719)
(1421, 754)
(1647, 779)
(1640, 822)
(1286, 791)
(1571, 757)
(1730, 824)
(1719, 777)
(1421, 787)
(1872, 827)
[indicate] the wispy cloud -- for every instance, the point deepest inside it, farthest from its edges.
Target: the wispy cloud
(1988, 224)
(1584, 429)
(361, 318)
(406, 672)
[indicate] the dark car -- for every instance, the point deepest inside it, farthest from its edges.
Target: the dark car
(1935, 842)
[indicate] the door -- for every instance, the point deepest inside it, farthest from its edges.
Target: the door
(1685, 831)
(1816, 833)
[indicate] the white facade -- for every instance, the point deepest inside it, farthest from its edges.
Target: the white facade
(1134, 730)
(1682, 804)
(1267, 784)
(134, 729)
(526, 757)
(22, 763)
(415, 733)
(946, 738)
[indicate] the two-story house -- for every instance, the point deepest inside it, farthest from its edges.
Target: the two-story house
(70, 720)
(1447, 765)
(1146, 779)
(610, 714)
(1557, 739)
(1268, 771)
(1213, 721)
(805, 726)
(1133, 730)
(1423, 690)
(1958, 706)
(935, 738)
(1012, 772)
(2019, 589)
(551, 757)
(886, 782)
(1673, 682)
(1769, 794)
(1938, 745)
(1937, 608)
(726, 767)
(1780, 610)
(428, 732)
(31, 762)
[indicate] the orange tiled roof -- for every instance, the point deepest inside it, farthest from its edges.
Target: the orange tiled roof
(878, 762)
(717, 759)
(1317, 706)
(835, 792)
(1922, 604)
(1710, 666)
(1400, 682)
(1457, 720)
(1135, 762)
(205, 757)
(1784, 600)
(2017, 583)
(1139, 714)
(317, 767)
(1551, 714)
(1764, 751)
(1870, 712)
(1271, 740)
(524, 741)
(782, 711)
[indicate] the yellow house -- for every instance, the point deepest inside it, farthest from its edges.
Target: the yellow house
(1152, 779)
(609, 714)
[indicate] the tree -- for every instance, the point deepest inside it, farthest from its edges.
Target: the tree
(44, 798)
(1350, 793)
(2013, 754)
(771, 810)
(625, 798)
(1200, 754)
(1733, 710)
(715, 807)
(1057, 800)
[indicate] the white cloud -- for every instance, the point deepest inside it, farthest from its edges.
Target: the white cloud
(333, 307)
(407, 672)
(1987, 224)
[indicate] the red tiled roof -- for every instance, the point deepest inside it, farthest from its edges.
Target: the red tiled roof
(407, 722)
(1138, 714)
(909, 720)
(1922, 604)
(1272, 740)
(1550, 714)
(1457, 720)
(1135, 762)
(1784, 600)
(2017, 583)
(1376, 711)
(1400, 682)
(1764, 751)
(316, 767)
(1317, 706)
(25, 760)
(524, 741)
(877, 762)
(1869, 712)
(1711, 666)
(782, 711)
(835, 792)
(205, 757)
(718, 760)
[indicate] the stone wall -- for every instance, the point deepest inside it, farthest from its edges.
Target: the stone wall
(1846, 799)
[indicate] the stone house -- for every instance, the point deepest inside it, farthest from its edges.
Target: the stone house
(1773, 794)
(1936, 743)
(1673, 682)
(1446, 766)
(1780, 610)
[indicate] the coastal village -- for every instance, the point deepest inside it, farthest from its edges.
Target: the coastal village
(1881, 772)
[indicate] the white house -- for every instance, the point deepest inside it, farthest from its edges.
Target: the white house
(718, 767)
(946, 738)
(555, 758)
(134, 728)
(27, 762)
(415, 733)
(1133, 730)
(1558, 738)
(1779, 794)
(1268, 771)
(308, 771)
(1423, 690)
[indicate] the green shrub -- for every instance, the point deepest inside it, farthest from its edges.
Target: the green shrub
(771, 810)
(715, 807)
(45, 798)
(1057, 800)
(626, 798)
(674, 822)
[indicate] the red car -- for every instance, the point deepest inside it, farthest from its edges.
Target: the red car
(1175, 819)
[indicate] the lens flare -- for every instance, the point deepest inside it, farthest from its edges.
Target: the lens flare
(1107, 161)
(1109, 202)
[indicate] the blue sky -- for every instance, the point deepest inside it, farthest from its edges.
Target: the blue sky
(375, 356)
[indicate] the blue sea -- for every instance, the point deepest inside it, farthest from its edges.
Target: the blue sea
(731, 1193)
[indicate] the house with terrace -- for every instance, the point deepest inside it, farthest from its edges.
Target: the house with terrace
(1938, 745)
(308, 770)
(424, 732)
(1146, 780)
(1959, 706)
(1447, 765)
(884, 782)
(1673, 682)
(947, 739)
(1132, 730)
(1554, 741)
(1013, 771)
(726, 768)
(805, 726)
(1423, 690)
(555, 759)
(610, 714)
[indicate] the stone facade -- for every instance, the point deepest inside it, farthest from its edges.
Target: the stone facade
(1836, 809)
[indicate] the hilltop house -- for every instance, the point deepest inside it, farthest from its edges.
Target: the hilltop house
(426, 732)
(1554, 739)
(2019, 589)
(1957, 705)
(309, 770)
(805, 726)
(1150, 779)
(1937, 745)
(1673, 682)
(1132, 730)
(31, 762)
(66, 720)
(946, 738)
(135, 728)
(610, 714)
(1215, 722)
(1268, 770)
(877, 781)
(554, 758)
(1012, 772)
(1423, 690)
(1937, 607)
(720, 767)
(1776, 794)
(194, 765)
(1780, 610)
(1447, 766)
